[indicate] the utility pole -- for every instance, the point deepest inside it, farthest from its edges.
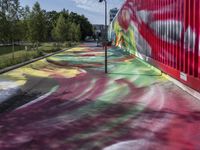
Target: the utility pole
(105, 38)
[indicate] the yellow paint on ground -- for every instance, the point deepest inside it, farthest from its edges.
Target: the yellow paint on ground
(75, 49)
(41, 69)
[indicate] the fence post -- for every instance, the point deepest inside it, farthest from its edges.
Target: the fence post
(13, 50)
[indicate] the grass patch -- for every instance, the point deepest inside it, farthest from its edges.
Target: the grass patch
(21, 55)
(53, 47)
(7, 60)
(50, 47)
(8, 49)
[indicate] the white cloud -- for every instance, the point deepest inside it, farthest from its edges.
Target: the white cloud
(90, 5)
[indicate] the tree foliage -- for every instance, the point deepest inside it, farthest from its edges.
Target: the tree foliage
(60, 31)
(4, 28)
(37, 25)
(9, 17)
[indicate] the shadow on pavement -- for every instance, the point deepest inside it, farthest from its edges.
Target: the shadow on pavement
(91, 124)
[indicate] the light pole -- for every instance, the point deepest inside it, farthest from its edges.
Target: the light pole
(105, 42)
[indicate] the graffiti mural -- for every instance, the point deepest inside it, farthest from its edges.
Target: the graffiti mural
(67, 102)
(164, 32)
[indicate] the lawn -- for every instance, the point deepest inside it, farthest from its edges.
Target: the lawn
(53, 47)
(7, 58)
(8, 49)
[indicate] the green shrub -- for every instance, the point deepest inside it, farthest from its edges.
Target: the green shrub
(8, 49)
(19, 57)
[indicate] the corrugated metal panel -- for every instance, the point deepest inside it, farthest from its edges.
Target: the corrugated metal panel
(197, 54)
(169, 31)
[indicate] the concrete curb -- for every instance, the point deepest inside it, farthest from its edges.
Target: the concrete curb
(184, 87)
(31, 61)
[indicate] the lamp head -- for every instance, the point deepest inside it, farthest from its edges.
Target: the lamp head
(100, 1)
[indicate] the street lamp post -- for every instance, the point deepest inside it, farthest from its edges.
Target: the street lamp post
(105, 42)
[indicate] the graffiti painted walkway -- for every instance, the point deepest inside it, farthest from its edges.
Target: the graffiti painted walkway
(66, 102)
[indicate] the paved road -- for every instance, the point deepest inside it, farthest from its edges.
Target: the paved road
(66, 102)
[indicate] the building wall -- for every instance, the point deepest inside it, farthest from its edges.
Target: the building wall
(163, 32)
(113, 13)
(99, 30)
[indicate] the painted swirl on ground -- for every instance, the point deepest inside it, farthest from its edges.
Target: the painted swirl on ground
(67, 102)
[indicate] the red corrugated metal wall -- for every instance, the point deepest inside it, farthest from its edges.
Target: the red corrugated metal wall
(167, 32)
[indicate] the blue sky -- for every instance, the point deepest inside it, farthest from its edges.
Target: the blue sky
(90, 8)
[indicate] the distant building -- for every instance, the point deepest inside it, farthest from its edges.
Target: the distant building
(113, 13)
(98, 27)
(99, 30)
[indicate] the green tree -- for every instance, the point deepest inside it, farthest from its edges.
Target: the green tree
(85, 26)
(25, 13)
(24, 22)
(11, 9)
(71, 28)
(4, 28)
(52, 17)
(78, 33)
(61, 29)
(9, 16)
(75, 32)
(20, 24)
(37, 25)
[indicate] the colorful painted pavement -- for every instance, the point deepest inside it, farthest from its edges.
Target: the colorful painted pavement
(66, 102)
(165, 31)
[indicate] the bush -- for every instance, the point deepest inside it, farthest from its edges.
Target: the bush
(66, 44)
